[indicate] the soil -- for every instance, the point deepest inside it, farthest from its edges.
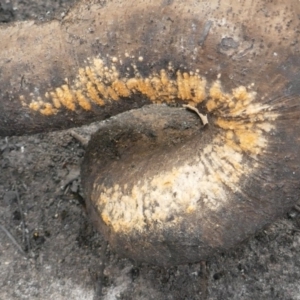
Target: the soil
(49, 249)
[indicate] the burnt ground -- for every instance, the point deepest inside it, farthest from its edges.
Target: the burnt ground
(49, 250)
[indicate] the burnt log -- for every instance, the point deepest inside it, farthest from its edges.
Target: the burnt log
(160, 186)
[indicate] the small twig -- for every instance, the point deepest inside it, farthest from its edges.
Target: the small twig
(13, 240)
(100, 281)
(21, 213)
(66, 189)
(201, 116)
(24, 228)
(79, 138)
(297, 208)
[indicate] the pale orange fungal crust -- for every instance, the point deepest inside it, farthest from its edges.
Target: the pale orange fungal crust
(242, 122)
(99, 84)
